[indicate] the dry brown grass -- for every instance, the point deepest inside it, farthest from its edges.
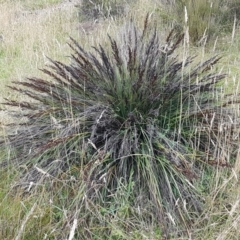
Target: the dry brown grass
(28, 37)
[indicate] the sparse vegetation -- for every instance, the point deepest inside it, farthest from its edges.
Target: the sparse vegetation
(131, 139)
(93, 10)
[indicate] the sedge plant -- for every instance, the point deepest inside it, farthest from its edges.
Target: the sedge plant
(135, 118)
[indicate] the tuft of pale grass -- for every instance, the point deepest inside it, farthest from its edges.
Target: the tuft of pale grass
(41, 4)
(28, 37)
(21, 230)
(220, 219)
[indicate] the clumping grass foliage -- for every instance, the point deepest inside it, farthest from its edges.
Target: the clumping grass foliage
(138, 123)
(206, 20)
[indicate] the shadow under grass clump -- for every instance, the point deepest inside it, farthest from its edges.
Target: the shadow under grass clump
(138, 123)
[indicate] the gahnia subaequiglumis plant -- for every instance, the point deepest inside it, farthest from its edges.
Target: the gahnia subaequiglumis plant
(135, 117)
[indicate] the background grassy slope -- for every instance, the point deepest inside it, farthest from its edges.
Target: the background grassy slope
(30, 33)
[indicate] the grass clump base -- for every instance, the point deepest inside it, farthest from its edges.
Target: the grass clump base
(124, 133)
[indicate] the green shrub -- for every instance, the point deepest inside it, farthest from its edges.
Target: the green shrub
(136, 120)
